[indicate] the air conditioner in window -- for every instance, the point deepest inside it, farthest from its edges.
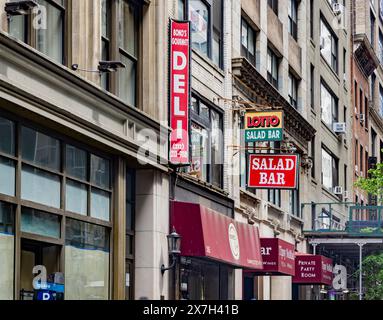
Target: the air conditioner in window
(362, 117)
(339, 127)
(322, 43)
(338, 190)
(336, 8)
(346, 195)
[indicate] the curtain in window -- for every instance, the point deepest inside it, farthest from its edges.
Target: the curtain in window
(327, 167)
(326, 50)
(326, 102)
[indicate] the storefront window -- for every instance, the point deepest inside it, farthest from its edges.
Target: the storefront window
(40, 223)
(57, 180)
(86, 261)
(40, 186)
(7, 176)
(7, 247)
(7, 134)
(204, 280)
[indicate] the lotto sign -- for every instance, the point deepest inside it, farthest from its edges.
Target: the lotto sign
(179, 92)
(264, 126)
(273, 171)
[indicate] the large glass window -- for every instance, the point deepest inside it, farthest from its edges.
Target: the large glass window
(206, 140)
(86, 261)
(40, 223)
(7, 247)
(329, 46)
(57, 181)
(329, 106)
(207, 28)
(248, 39)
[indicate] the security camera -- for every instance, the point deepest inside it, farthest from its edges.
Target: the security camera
(18, 8)
(110, 66)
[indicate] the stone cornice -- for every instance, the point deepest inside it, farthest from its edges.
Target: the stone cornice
(295, 124)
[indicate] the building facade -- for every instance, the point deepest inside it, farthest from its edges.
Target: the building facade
(86, 187)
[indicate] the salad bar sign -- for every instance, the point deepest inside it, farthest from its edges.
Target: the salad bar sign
(277, 171)
(264, 126)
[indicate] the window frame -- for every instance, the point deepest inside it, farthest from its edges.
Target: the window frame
(334, 105)
(275, 61)
(245, 50)
(334, 43)
(18, 203)
(293, 18)
(334, 165)
(30, 36)
(210, 31)
(207, 124)
(115, 50)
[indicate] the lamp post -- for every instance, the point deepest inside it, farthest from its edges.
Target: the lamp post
(174, 247)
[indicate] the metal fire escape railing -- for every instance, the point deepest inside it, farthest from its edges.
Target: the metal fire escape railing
(345, 217)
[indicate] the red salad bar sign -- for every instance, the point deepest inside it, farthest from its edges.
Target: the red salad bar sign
(179, 92)
(273, 171)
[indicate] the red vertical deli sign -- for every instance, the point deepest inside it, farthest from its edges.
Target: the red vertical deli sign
(273, 171)
(179, 92)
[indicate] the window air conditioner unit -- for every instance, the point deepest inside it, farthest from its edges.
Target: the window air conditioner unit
(339, 127)
(362, 117)
(338, 190)
(346, 195)
(336, 9)
(322, 43)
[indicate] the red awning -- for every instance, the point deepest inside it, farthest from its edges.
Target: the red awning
(312, 269)
(278, 257)
(209, 234)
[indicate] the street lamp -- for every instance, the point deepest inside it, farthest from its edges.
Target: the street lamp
(174, 247)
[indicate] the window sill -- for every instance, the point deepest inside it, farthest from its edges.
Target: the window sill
(331, 132)
(209, 62)
(324, 61)
(275, 208)
(329, 193)
(296, 219)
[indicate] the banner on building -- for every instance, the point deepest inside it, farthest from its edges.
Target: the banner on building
(273, 171)
(264, 126)
(179, 97)
(313, 269)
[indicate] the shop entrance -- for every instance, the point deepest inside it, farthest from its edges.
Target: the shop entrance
(206, 280)
(35, 253)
